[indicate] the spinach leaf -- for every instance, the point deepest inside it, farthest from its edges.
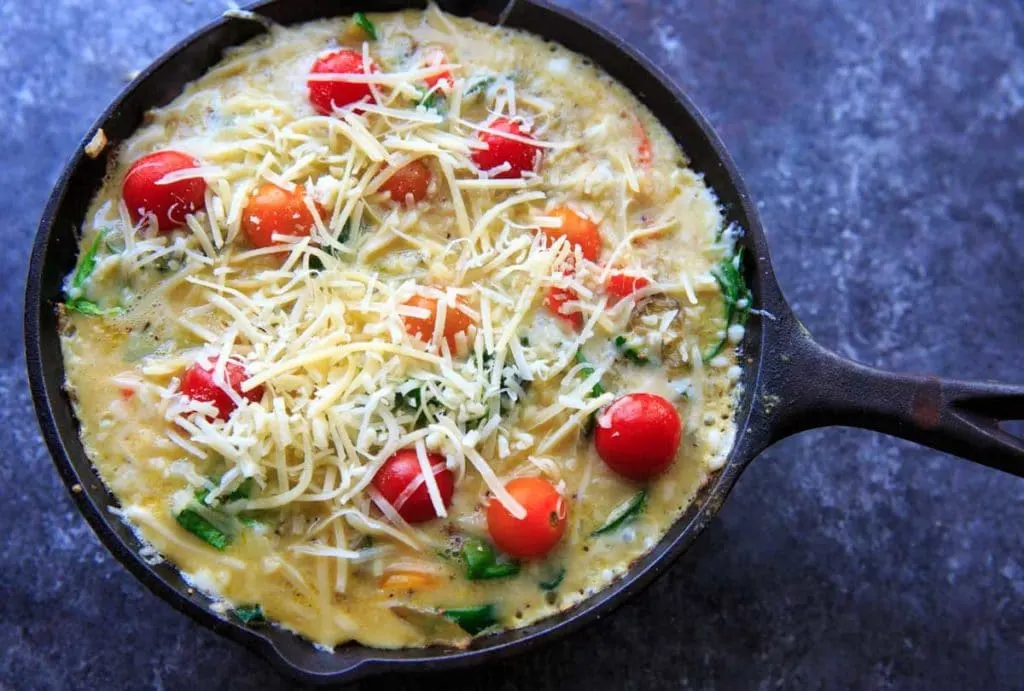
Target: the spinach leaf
(250, 614)
(420, 401)
(196, 524)
(482, 563)
(365, 24)
(316, 263)
(89, 307)
(87, 264)
(586, 372)
(629, 352)
(597, 390)
(554, 581)
(625, 513)
(473, 620)
(73, 296)
(729, 276)
(432, 100)
(513, 387)
(478, 85)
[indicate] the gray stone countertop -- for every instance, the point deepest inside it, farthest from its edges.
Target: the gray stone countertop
(884, 143)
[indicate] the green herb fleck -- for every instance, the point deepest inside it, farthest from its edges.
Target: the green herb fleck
(554, 581)
(625, 513)
(473, 620)
(365, 24)
(482, 563)
(196, 524)
(250, 614)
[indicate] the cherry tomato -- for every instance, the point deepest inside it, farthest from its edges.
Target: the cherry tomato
(539, 531)
(397, 475)
(198, 385)
(437, 57)
(455, 321)
(555, 301)
(144, 194)
(326, 96)
(519, 155)
(412, 178)
(621, 286)
(638, 435)
(579, 230)
(275, 210)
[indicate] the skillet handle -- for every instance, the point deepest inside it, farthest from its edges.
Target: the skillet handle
(804, 386)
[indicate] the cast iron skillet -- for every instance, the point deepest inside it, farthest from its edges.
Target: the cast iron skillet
(791, 383)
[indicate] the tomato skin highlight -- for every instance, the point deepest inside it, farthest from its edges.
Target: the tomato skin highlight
(411, 179)
(455, 321)
(275, 210)
(555, 301)
(578, 230)
(540, 530)
(325, 96)
(638, 435)
(519, 155)
(402, 469)
(620, 286)
(169, 203)
(198, 385)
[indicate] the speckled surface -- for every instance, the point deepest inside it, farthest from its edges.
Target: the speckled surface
(886, 149)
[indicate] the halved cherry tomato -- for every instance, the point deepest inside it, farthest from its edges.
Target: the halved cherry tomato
(412, 178)
(579, 230)
(621, 286)
(520, 156)
(198, 384)
(398, 474)
(539, 531)
(455, 321)
(638, 435)
(144, 194)
(275, 210)
(555, 301)
(326, 96)
(437, 57)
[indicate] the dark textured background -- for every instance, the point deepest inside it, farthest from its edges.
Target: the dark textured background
(886, 147)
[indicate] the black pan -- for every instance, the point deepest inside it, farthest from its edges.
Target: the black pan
(791, 383)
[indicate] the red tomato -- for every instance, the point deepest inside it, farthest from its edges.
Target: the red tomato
(144, 194)
(436, 57)
(638, 435)
(579, 230)
(519, 155)
(643, 144)
(455, 321)
(539, 531)
(400, 472)
(274, 210)
(555, 301)
(325, 96)
(621, 286)
(198, 385)
(412, 178)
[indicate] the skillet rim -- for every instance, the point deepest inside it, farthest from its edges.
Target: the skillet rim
(750, 439)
